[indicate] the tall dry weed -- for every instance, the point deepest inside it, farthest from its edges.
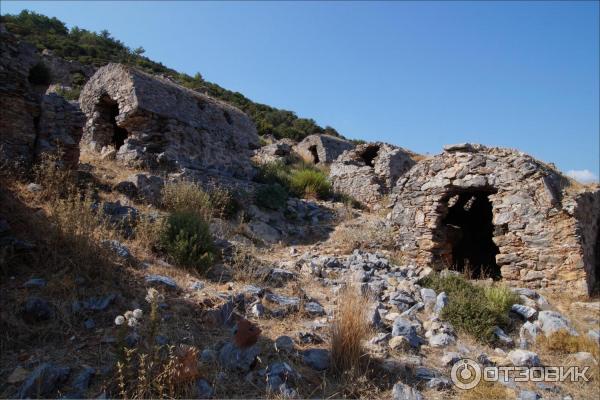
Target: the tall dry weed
(349, 329)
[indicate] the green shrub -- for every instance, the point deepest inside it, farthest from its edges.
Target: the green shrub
(274, 172)
(69, 94)
(309, 182)
(271, 196)
(473, 309)
(223, 203)
(186, 239)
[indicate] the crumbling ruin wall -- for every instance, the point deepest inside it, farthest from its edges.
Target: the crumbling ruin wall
(587, 228)
(322, 149)
(32, 122)
(156, 123)
(541, 239)
(369, 171)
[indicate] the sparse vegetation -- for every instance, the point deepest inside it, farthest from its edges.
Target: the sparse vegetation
(298, 179)
(348, 331)
(187, 240)
(190, 196)
(562, 342)
(184, 196)
(69, 93)
(310, 183)
(148, 370)
(473, 309)
(272, 197)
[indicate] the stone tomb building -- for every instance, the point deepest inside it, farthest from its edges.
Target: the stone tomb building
(369, 171)
(322, 149)
(500, 213)
(155, 123)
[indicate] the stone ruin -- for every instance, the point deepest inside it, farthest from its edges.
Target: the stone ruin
(31, 121)
(369, 171)
(154, 123)
(322, 149)
(499, 213)
(277, 151)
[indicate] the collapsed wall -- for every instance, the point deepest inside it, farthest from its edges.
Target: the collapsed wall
(155, 123)
(499, 212)
(369, 171)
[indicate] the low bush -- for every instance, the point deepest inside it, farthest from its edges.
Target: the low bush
(69, 94)
(215, 201)
(299, 179)
(187, 240)
(473, 309)
(223, 203)
(271, 197)
(185, 196)
(274, 172)
(307, 182)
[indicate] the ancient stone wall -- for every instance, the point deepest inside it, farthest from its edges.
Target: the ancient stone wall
(322, 148)
(587, 228)
(156, 123)
(32, 122)
(534, 228)
(369, 171)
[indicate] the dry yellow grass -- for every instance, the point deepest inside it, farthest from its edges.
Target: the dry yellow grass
(562, 342)
(487, 391)
(348, 331)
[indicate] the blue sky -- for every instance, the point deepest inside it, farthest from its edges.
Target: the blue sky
(419, 75)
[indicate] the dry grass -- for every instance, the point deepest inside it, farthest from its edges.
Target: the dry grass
(148, 231)
(363, 234)
(488, 391)
(245, 264)
(348, 331)
(562, 342)
(187, 197)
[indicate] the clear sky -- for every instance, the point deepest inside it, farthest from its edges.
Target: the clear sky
(416, 74)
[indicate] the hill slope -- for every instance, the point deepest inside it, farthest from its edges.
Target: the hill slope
(97, 49)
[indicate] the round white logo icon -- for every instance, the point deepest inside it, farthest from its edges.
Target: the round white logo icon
(466, 374)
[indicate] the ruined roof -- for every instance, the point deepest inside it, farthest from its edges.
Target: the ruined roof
(137, 90)
(474, 165)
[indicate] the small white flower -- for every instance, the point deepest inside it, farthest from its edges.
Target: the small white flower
(120, 320)
(128, 315)
(152, 295)
(132, 322)
(137, 313)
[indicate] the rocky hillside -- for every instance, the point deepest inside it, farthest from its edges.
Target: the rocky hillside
(151, 246)
(89, 50)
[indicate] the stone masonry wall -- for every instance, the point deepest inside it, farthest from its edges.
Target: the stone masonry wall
(369, 171)
(540, 242)
(32, 122)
